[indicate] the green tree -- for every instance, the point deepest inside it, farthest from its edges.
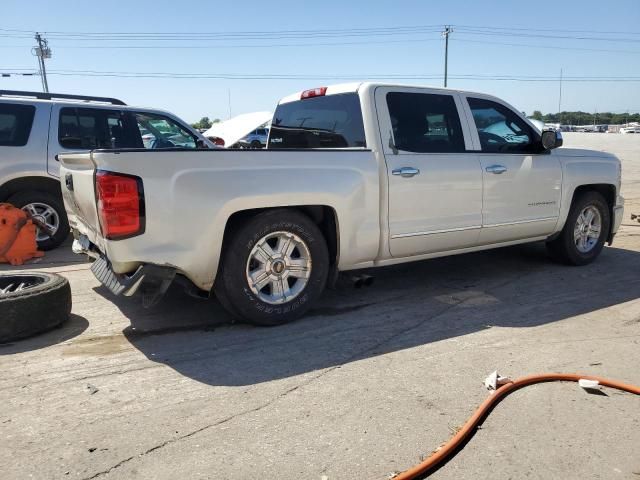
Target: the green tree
(204, 122)
(537, 115)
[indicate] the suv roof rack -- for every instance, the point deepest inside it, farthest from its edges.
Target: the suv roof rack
(65, 96)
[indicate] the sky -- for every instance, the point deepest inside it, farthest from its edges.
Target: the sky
(326, 42)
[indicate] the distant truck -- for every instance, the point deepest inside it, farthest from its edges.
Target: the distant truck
(35, 128)
(355, 176)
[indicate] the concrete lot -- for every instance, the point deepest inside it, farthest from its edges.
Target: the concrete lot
(366, 385)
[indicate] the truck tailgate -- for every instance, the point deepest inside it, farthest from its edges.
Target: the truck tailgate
(77, 172)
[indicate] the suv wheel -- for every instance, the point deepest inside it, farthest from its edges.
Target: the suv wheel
(273, 268)
(47, 208)
(584, 232)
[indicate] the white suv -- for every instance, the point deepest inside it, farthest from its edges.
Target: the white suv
(36, 127)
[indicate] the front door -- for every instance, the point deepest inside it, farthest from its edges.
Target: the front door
(522, 182)
(435, 187)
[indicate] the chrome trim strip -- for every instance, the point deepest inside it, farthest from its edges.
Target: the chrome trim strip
(545, 219)
(432, 232)
(473, 227)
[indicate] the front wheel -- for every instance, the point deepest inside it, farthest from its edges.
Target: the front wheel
(584, 232)
(273, 268)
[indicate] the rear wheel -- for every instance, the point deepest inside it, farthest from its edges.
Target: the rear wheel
(49, 209)
(584, 232)
(273, 268)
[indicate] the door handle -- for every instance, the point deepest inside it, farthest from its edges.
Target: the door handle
(405, 172)
(497, 169)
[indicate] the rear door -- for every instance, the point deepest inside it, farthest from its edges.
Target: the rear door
(435, 186)
(522, 182)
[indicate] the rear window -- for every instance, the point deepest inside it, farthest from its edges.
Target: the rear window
(333, 121)
(15, 124)
(89, 128)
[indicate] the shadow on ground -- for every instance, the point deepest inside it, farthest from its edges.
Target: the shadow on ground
(66, 331)
(408, 305)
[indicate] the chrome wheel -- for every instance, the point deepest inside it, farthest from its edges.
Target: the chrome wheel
(47, 215)
(278, 267)
(587, 229)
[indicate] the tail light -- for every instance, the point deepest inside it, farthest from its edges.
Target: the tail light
(218, 141)
(314, 92)
(120, 201)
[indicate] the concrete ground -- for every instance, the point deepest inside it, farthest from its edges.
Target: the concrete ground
(366, 385)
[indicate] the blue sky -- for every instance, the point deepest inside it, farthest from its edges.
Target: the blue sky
(363, 56)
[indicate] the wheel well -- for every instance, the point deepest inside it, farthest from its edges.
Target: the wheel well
(29, 183)
(323, 216)
(607, 191)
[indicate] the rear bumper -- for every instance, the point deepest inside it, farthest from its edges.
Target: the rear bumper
(155, 279)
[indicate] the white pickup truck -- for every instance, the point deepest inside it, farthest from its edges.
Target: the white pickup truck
(355, 176)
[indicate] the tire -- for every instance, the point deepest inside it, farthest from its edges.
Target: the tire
(567, 248)
(44, 304)
(44, 199)
(256, 144)
(294, 280)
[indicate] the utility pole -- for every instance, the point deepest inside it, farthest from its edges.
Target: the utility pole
(447, 31)
(42, 51)
(229, 98)
(560, 98)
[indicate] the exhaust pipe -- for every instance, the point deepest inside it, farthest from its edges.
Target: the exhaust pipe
(360, 281)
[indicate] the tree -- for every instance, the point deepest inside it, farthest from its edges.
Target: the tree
(204, 122)
(537, 115)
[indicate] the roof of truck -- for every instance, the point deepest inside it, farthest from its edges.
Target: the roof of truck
(353, 87)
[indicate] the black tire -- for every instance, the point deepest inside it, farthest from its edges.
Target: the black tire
(563, 248)
(232, 287)
(43, 305)
(256, 144)
(21, 199)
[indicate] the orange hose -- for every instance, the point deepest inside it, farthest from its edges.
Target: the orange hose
(438, 457)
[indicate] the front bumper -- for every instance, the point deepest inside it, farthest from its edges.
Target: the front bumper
(616, 220)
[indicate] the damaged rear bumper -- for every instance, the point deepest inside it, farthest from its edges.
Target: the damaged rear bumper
(151, 280)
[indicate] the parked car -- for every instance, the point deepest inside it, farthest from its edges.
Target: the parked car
(630, 130)
(364, 175)
(256, 139)
(36, 127)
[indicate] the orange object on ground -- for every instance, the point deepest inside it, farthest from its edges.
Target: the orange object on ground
(448, 449)
(17, 236)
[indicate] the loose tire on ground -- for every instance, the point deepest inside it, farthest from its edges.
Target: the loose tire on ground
(566, 248)
(43, 303)
(22, 199)
(238, 263)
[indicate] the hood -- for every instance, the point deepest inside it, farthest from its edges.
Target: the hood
(238, 127)
(582, 152)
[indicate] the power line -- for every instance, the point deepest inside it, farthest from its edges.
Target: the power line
(247, 76)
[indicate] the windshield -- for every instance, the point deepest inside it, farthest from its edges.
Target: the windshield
(333, 121)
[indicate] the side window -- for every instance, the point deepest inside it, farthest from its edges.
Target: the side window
(425, 123)
(158, 131)
(15, 124)
(500, 129)
(90, 128)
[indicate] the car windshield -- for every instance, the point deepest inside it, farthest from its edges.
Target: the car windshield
(333, 121)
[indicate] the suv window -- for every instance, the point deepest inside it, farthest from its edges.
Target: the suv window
(158, 131)
(333, 121)
(425, 122)
(15, 124)
(90, 128)
(500, 129)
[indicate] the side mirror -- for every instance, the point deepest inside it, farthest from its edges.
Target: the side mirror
(551, 139)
